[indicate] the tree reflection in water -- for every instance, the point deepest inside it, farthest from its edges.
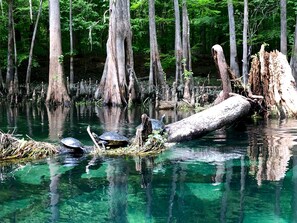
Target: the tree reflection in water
(270, 151)
(117, 175)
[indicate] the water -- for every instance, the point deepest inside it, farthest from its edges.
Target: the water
(245, 173)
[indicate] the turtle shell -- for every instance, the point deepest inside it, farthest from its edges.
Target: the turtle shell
(157, 125)
(72, 143)
(114, 139)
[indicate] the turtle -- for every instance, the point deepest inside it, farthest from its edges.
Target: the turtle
(73, 144)
(112, 139)
(157, 125)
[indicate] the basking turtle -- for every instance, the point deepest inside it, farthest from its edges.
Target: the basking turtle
(73, 144)
(157, 125)
(113, 139)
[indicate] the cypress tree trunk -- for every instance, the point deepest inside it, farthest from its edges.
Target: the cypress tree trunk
(71, 45)
(10, 65)
(293, 62)
(57, 93)
(283, 40)
(178, 44)
(156, 77)
(233, 51)
(244, 42)
(186, 52)
(119, 60)
(28, 75)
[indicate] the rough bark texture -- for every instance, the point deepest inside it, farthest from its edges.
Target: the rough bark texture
(186, 53)
(143, 132)
(57, 92)
(156, 76)
(283, 37)
(271, 76)
(244, 43)
(233, 50)
(293, 61)
(225, 113)
(178, 44)
(10, 65)
(119, 61)
(220, 61)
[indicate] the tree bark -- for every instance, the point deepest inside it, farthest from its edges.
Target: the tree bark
(10, 65)
(272, 77)
(119, 60)
(71, 71)
(186, 53)
(244, 43)
(233, 51)
(178, 44)
(225, 113)
(28, 75)
(57, 93)
(220, 61)
(283, 37)
(156, 76)
(293, 62)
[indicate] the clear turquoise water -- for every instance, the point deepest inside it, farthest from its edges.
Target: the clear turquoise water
(245, 173)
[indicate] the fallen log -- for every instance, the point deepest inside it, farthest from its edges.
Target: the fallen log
(197, 125)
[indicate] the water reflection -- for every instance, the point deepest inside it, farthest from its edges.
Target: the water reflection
(117, 174)
(269, 150)
(232, 175)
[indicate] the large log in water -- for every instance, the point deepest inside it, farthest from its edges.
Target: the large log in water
(225, 113)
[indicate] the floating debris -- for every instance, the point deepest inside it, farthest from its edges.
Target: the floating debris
(13, 148)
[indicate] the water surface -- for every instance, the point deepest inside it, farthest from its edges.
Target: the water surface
(244, 173)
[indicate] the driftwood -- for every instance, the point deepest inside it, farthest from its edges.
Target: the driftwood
(216, 117)
(222, 67)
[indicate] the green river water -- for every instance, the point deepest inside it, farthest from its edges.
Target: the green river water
(245, 173)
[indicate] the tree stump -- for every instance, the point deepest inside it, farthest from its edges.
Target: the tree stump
(143, 132)
(271, 76)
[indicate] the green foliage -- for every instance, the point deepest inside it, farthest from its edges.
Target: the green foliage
(209, 25)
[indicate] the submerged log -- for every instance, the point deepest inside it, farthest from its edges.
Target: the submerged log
(216, 117)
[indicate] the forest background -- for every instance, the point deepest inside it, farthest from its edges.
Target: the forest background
(209, 25)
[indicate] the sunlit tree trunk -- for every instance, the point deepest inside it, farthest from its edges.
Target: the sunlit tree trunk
(10, 65)
(283, 37)
(293, 62)
(156, 77)
(119, 60)
(57, 92)
(244, 42)
(186, 51)
(178, 44)
(233, 51)
(28, 75)
(71, 45)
